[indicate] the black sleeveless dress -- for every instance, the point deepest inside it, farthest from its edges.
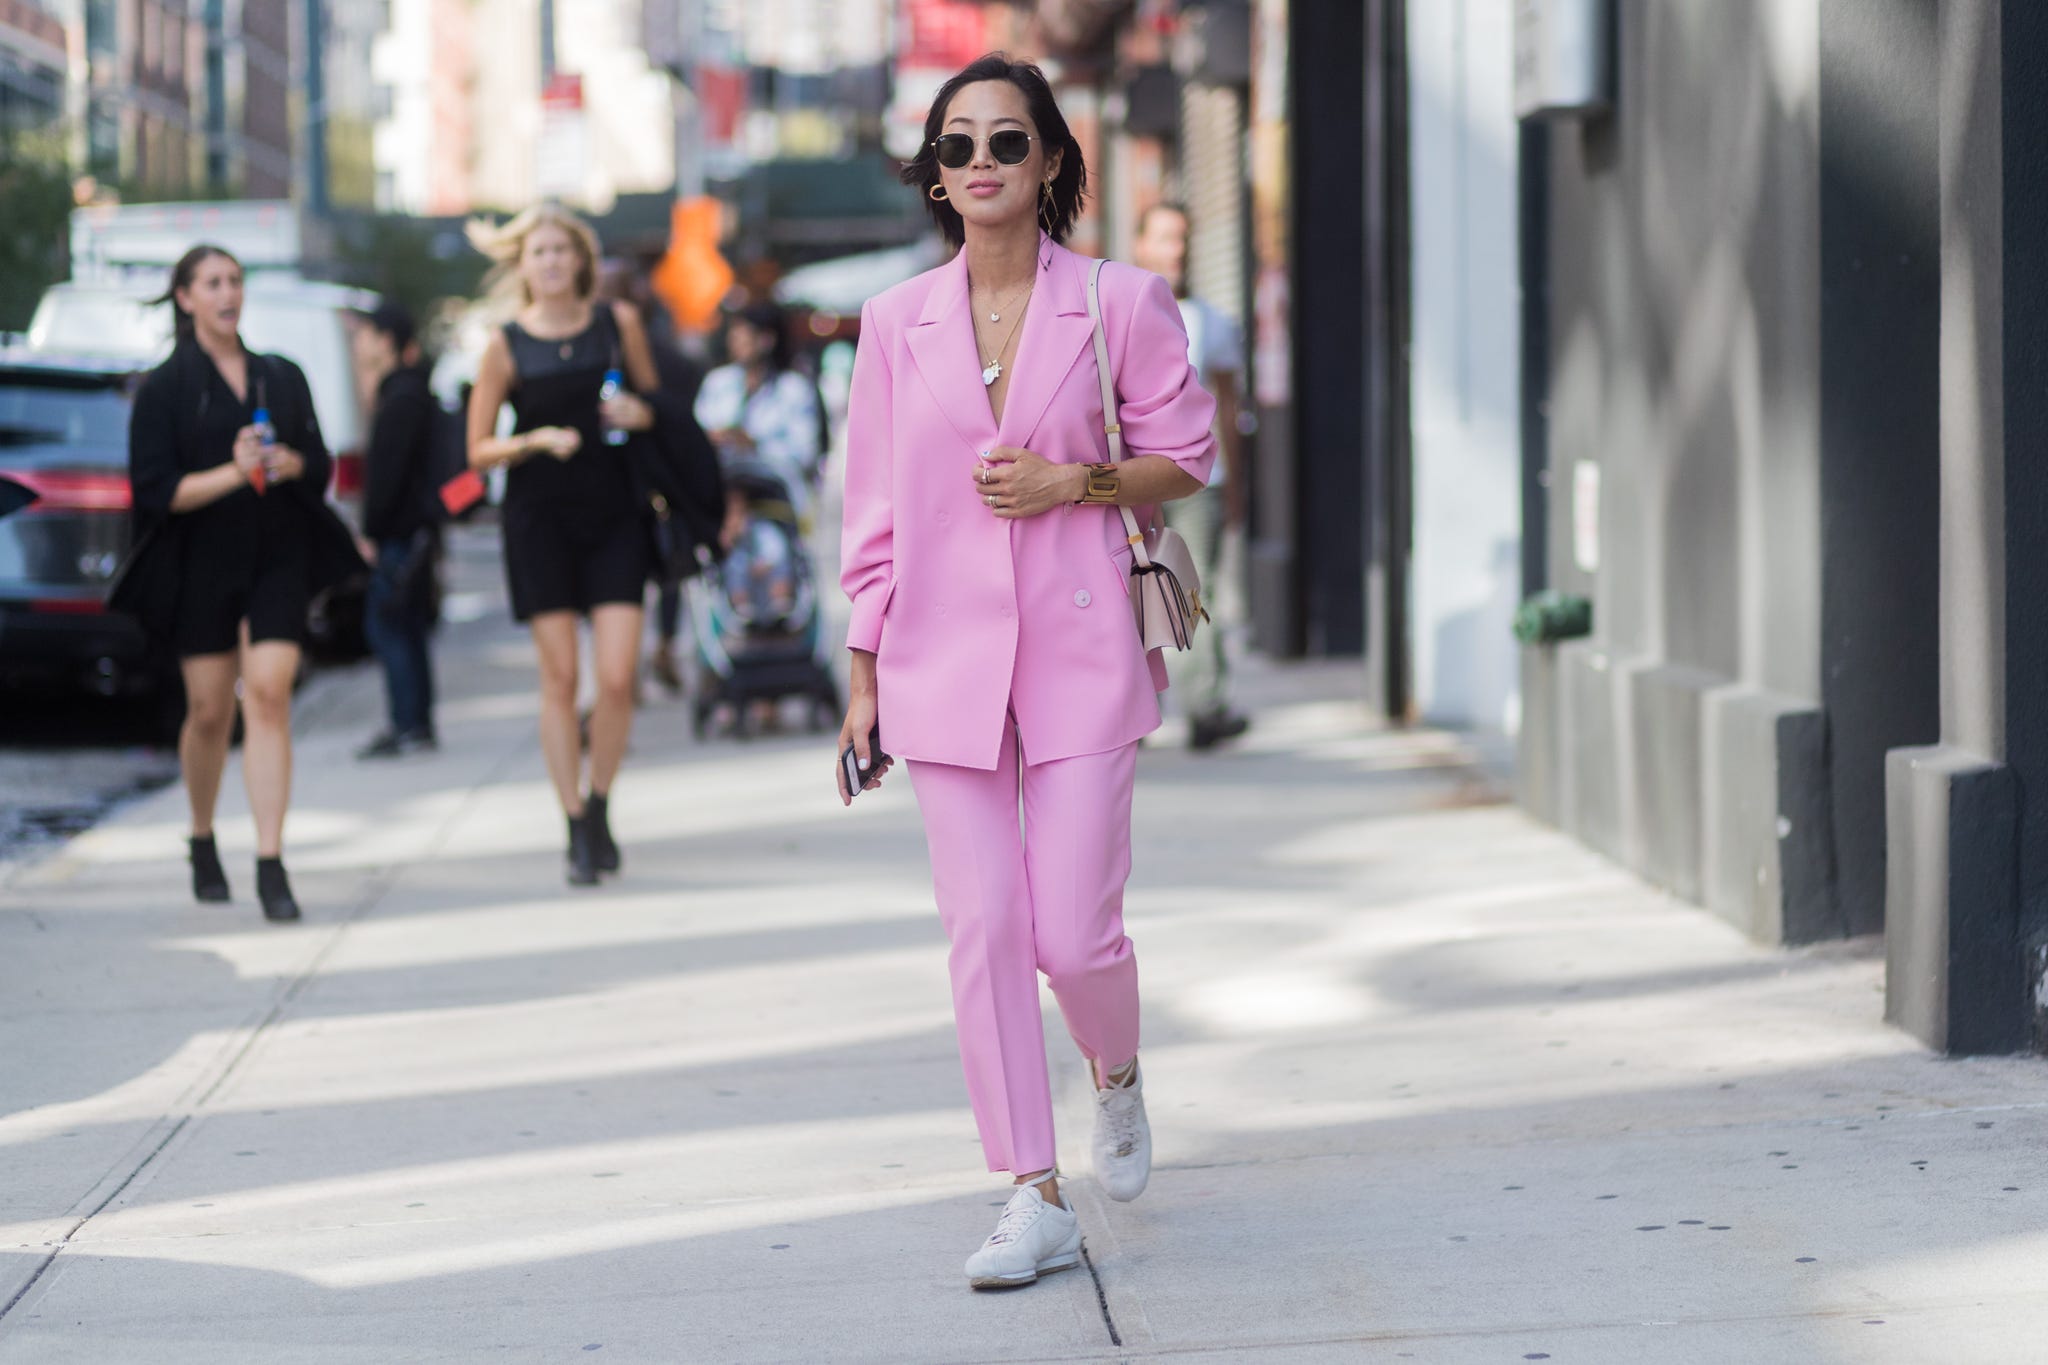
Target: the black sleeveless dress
(576, 533)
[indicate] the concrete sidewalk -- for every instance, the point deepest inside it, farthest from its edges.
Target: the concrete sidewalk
(1428, 1082)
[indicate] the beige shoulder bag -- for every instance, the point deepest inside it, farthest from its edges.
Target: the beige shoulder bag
(1166, 592)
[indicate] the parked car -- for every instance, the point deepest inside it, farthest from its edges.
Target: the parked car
(306, 321)
(64, 524)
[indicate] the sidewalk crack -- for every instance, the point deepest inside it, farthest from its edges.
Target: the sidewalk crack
(1101, 1298)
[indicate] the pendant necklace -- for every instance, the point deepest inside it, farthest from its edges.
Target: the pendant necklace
(996, 314)
(993, 371)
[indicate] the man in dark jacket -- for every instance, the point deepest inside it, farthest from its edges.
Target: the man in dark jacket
(401, 520)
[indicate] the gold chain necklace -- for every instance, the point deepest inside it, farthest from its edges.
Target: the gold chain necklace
(993, 370)
(996, 315)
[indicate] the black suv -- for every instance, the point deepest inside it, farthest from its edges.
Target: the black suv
(64, 524)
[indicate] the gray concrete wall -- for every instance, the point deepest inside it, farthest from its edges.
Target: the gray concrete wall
(1685, 355)
(1967, 888)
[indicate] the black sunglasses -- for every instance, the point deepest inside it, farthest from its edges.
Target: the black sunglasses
(1007, 145)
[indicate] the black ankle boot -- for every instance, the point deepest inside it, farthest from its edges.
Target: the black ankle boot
(274, 891)
(209, 878)
(604, 851)
(582, 852)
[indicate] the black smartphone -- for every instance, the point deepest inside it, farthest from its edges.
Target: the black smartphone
(849, 763)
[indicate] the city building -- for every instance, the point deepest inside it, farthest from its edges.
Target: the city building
(170, 99)
(1712, 318)
(1788, 309)
(423, 68)
(493, 104)
(34, 63)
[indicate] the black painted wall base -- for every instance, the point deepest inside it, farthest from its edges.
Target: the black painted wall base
(1955, 977)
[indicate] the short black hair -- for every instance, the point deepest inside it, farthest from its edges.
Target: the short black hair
(1069, 187)
(393, 321)
(765, 315)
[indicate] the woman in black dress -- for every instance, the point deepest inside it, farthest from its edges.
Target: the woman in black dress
(578, 534)
(235, 537)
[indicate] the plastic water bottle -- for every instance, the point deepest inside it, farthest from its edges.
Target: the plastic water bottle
(266, 433)
(614, 385)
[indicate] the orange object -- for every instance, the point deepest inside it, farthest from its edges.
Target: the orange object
(692, 277)
(259, 476)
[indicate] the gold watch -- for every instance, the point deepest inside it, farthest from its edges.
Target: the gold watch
(1102, 484)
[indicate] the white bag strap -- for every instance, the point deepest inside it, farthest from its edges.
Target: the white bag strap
(1112, 422)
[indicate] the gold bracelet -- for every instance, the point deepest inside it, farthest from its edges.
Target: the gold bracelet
(1101, 486)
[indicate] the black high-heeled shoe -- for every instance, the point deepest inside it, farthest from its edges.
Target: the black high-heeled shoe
(582, 856)
(209, 878)
(604, 850)
(275, 891)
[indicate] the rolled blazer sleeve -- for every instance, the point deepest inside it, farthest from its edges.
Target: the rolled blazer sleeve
(1164, 408)
(868, 540)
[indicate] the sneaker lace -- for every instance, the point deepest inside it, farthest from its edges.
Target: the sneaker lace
(1015, 1222)
(1120, 1117)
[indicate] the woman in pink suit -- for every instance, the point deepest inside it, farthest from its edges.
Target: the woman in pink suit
(991, 633)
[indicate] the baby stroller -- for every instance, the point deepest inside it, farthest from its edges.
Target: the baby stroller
(756, 616)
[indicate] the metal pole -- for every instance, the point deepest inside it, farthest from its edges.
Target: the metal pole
(547, 42)
(317, 189)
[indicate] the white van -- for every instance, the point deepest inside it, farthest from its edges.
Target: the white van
(306, 321)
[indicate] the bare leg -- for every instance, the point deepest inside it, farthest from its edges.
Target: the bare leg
(561, 740)
(615, 632)
(268, 669)
(203, 739)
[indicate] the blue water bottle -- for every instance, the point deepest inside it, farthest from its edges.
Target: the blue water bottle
(267, 434)
(614, 384)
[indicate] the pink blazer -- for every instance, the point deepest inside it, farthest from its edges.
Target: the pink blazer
(968, 615)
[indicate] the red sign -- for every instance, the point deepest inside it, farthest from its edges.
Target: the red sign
(722, 95)
(563, 92)
(942, 34)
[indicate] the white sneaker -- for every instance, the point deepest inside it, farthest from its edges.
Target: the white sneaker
(1123, 1139)
(1033, 1238)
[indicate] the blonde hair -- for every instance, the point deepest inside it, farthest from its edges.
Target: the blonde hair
(505, 243)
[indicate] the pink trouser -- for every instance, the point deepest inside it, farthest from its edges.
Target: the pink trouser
(1048, 898)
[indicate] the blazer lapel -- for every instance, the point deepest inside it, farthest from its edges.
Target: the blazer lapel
(1056, 330)
(942, 346)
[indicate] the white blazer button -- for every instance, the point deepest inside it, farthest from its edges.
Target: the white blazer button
(1082, 599)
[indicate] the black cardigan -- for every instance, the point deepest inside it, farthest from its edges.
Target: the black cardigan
(167, 440)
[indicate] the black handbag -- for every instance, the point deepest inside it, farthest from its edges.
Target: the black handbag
(676, 469)
(145, 585)
(676, 474)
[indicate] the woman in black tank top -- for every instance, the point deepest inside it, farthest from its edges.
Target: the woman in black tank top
(578, 539)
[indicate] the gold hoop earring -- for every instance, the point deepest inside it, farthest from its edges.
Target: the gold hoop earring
(1046, 207)
(938, 194)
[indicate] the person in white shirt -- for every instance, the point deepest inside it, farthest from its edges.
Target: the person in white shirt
(1215, 347)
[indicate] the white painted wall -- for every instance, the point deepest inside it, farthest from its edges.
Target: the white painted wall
(1465, 369)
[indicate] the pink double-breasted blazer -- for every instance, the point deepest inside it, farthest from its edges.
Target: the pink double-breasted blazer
(969, 615)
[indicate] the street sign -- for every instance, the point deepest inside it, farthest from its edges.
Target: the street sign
(561, 159)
